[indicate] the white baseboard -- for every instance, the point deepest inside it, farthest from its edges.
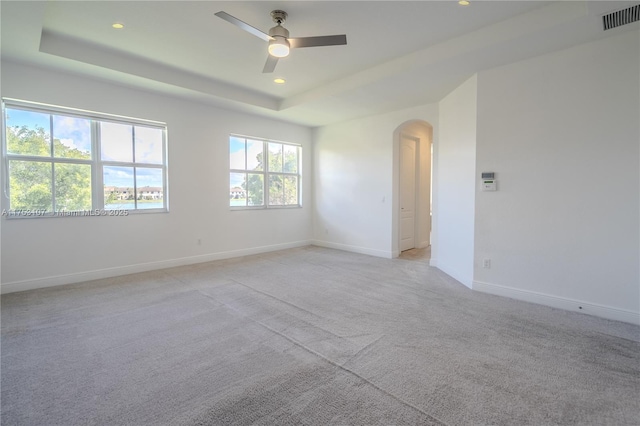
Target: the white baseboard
(559, 302)
(433, 262)
(354, 249)
(33, 284)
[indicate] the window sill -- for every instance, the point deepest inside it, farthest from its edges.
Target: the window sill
(240, 208)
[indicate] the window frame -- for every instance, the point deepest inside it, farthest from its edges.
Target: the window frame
(96, 162)
(266, 173)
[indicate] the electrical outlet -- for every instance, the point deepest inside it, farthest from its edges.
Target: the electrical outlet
(199, 242)
(486, 263)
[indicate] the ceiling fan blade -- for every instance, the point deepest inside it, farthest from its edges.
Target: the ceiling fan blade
(270, 65)
(243, 25)
(331, 40)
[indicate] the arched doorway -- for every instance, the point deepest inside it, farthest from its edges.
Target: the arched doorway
(412, 186)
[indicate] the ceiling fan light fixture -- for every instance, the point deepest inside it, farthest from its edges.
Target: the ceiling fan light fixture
(279, 47)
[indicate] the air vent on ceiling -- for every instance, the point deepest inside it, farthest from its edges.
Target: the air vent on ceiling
(621, 17)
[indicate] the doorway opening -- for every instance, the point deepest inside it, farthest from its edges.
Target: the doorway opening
(409, 173)
(412, 189)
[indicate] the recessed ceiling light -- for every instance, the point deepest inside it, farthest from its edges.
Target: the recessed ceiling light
(279, 81)
(117, 25)
(464, 3)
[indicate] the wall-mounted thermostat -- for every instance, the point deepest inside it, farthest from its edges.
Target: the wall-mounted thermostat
(489, 182)
(489, 185)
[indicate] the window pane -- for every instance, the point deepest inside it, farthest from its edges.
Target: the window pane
(255, 190)
(255, 155)
(116, 141)
(237, 193)
(149, 192)
(148, 145)
(30, 185)
(28, 133)
(71, 137)
(118, 188)
(275, 157)
(290, 158)
(237, 154)
(257, 178)
(291, 190)
(73, 186)
(276, 190)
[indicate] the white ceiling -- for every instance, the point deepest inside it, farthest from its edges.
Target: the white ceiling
(399, 53)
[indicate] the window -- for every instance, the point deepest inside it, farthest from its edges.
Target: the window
(61, 161)
(263, 174)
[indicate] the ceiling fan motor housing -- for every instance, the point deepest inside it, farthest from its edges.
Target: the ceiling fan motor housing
(279, 31)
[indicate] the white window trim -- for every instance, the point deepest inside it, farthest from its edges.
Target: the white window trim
(97, 185)
(266, 173)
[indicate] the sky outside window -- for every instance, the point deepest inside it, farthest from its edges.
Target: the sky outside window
(116, 141)
(74, 134)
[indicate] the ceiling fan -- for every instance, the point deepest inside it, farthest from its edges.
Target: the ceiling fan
(278, 38)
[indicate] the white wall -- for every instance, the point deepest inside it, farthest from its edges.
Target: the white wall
(562, 133)
(49, 251)
(354, 193)
(454, 188)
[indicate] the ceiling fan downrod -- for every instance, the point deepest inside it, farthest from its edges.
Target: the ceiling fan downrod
(279, 16)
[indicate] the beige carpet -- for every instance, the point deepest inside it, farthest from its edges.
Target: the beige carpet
(308, 336)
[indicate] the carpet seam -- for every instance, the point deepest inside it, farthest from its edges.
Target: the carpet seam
(291, 305)
(335, 364)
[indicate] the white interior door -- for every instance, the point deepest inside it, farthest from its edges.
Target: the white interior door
(408, 157)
